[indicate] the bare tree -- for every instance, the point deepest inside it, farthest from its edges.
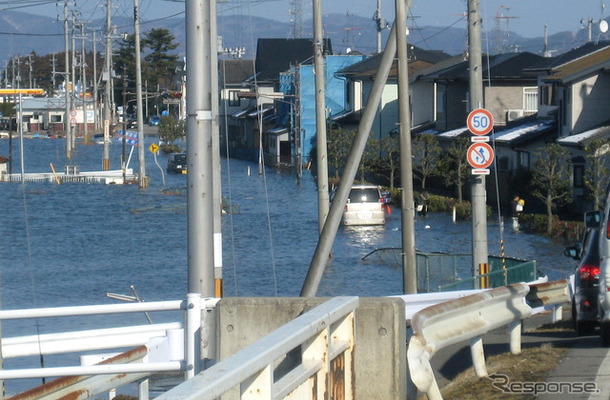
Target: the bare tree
(597, 173)
(426, 152)
(551, 179)
(339, 142)
(390, 155)
(453, 166)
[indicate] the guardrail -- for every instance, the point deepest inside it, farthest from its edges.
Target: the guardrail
(160, 353)
(325, 339)
(469, 318)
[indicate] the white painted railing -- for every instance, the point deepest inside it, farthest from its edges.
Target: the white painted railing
(325, 336)
(171, 355)
(469, 318)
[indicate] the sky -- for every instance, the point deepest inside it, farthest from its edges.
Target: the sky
(525, 17)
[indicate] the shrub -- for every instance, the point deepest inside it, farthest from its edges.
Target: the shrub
(170, 148)
(569, 231)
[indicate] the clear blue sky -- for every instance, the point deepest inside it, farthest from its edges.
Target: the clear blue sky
(527, 17)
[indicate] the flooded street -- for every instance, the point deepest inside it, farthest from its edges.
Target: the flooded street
(70, 244)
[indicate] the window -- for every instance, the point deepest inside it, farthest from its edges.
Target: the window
(56, 118)
(523, 159)
(530, 99)
(579, 180)
(234, 98)
(548, 95)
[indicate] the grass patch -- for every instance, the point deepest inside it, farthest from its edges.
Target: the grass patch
(532, 365)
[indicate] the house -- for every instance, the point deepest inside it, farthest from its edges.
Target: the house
(574, 91)
(360, 77)
(48, 113)
(254, 126)
(232, 74)
(508, 93)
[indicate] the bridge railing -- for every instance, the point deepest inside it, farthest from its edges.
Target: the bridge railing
(157, 348)
(323, 340)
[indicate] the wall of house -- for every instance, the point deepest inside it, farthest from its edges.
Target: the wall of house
(589, 104)
(500, 99)
(335, 96)
(387, 117)
(422, 102)
(456, 105)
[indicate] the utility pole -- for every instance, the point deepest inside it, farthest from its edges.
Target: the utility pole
(216, 171)
(409, 260)
(323, 204)
(67, 84)
(84, 75)
(108, 72)
(30, 69)
(380, 24)
(141, 145)
(73, 87)
(54, 72)
(478, 192)
(95, 86)
(200, 199)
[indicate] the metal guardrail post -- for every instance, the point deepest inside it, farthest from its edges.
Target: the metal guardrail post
(193, 335)
(478, 356)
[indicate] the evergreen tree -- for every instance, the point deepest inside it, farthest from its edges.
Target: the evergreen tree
(161, 64)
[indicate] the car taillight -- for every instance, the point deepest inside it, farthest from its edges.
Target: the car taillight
(589, 272)
(382, 201)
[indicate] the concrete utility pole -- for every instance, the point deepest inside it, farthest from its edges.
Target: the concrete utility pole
(200, 198)
(478, 192)
(409, 259)
(68, 117)
(320, 82)
(73, 87)
(327, 237)
(84, 73)
(107, 95)
(95, 85)
(141, 142)
(217, 185)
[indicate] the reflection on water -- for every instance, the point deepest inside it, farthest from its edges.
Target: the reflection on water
(70, 244)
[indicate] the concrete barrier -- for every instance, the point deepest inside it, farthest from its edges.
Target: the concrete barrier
(380, 371)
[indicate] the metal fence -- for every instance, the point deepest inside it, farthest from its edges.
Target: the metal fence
(446, 271)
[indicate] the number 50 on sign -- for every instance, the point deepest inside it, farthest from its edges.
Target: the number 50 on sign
(480, 121)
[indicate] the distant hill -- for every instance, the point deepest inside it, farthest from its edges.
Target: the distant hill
(23, 33)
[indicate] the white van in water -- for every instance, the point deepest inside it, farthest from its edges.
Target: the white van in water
(365, 206)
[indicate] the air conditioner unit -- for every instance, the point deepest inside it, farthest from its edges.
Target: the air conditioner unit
(512, 115)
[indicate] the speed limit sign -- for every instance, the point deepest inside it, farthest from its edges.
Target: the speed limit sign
(480, 121)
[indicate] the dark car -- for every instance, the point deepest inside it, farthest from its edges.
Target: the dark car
(154, 120)
(585, 310)
(176, 164)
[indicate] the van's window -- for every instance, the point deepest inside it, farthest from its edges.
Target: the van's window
(364, 196)
(180, 158)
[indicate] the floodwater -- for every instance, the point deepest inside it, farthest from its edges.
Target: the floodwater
(71, 244)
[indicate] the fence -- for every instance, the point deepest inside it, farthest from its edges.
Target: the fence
(447, 272)
(323, 338)
(161, 347)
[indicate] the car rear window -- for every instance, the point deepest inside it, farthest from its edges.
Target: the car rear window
(180, 159)
(364, 196)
